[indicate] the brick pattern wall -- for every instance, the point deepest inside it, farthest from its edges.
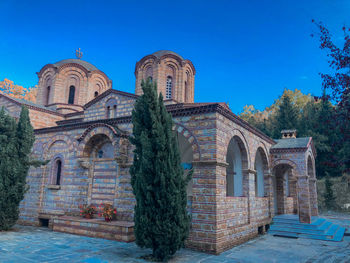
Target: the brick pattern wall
(218, 221)
(99, 111)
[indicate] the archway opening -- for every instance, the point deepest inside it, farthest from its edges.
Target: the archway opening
(237, 160)
(186, 154)
(103, 171)
(284, 189)
(261, 168)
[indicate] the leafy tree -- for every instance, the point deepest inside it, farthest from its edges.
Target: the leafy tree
(157, 178)
(16, 141)
(338, 84)
(9, 88)
(329, 198)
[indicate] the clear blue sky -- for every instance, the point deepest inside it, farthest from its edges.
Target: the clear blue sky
(245, 52)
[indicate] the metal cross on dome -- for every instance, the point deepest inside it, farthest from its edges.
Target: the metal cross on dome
(78, 53)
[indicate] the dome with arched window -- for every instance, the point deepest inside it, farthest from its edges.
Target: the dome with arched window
(174, 75)
(69, 84)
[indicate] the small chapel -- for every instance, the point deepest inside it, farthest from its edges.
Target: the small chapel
(241, 177)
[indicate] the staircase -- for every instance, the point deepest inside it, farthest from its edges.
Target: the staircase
(319, 228)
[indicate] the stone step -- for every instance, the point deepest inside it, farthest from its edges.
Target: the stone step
(319, 228)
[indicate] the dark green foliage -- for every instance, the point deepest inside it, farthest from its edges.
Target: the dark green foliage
(286, 117)
(16, 141)
(157, 178)
(329, 198)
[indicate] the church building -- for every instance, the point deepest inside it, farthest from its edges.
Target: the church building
(242, 178)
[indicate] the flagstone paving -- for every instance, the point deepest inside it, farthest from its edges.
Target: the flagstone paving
(33, 244)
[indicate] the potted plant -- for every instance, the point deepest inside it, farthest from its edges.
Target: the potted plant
(108, 212)
(87, 211)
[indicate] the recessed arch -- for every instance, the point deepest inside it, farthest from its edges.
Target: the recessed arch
(190, 138)
(237, 159)
(261, 167)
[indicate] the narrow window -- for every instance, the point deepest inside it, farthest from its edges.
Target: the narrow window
(71, 95)
(150, 79)
(108, 112)
(58, 173)
(169, 86)
(114, 111)
(96, 94)
(100, 154)
(47, 95)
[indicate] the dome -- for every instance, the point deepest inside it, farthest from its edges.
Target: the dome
(83, 63)
(161, 53)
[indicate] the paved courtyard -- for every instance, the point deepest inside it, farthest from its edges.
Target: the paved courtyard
(31, 244)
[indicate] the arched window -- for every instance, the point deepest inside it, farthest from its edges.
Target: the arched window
(71, 95)
(114, 111)
(47, 95)
(96, 94)
(259, 176)
(111, 108)
(108, 112)
(169, 86)
(58, 171)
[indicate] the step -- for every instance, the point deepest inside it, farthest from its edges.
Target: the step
(319, 228)
(339, 234)
(298, 230)
(322, 226)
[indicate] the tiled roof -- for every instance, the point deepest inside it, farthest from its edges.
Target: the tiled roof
(83, 63)
(291, 143)
(161, 53)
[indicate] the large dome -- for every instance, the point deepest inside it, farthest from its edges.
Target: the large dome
(83, 63)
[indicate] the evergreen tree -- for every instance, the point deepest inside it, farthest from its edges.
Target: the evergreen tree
(329, 198)
(157, 178)
(16, 141)
(286, 117)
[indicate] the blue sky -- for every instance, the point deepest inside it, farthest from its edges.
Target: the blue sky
(245, 52)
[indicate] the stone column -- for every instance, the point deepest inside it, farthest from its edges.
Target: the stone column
(269, 192)
(293, 193)
(304, 199)
(313, 196)
(249, 191)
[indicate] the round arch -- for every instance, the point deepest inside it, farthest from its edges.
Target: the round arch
(100, 128)
(71, 144)
(261, 166)
(181, 129)
(237, 158)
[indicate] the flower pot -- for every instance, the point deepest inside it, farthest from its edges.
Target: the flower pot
(88, 216)
(107, 219)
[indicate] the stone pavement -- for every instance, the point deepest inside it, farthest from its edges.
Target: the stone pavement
(32, 244)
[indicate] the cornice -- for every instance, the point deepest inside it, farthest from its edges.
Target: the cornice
(174, 110)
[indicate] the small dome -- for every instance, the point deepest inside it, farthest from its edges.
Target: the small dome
(83, 63)
(161, 53)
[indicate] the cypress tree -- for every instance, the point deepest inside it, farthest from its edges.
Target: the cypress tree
(16, 141)
(157, 178)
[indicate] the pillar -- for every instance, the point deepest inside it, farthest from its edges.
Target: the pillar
(304, 199)
(313, 196)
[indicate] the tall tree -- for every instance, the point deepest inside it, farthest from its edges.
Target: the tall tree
(157, 178)
(338, 84)
(16, 141)
(286, 116)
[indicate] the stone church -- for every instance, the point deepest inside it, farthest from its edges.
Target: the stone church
(241, 179)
